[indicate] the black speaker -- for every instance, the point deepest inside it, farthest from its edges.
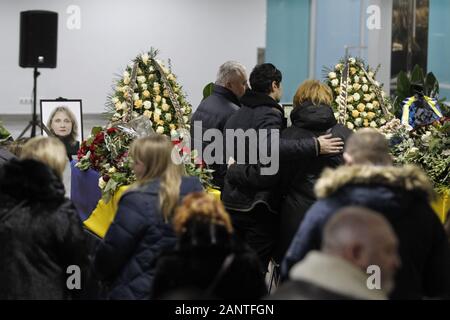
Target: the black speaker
(38, 39)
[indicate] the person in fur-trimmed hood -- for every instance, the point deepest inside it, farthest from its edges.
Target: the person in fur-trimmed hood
(402, 195)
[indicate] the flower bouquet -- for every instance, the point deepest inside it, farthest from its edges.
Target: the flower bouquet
(427, 147)
(359, 100)
(106, 151)
(146, 99)
(150, 89)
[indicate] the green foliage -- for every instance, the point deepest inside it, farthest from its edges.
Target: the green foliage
(207, 90)
(96, 130)
(4, 134)
(417, 76)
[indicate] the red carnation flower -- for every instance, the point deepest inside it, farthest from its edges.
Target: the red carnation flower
(111, 130)
(99, 138)
(92, 157)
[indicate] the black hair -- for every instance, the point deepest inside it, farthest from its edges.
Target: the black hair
(262, 77)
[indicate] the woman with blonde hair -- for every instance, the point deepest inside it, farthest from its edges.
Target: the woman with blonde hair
(312, 116)
(47, 150)
(207, 260)
(41, 234)
(63, 124)
(142, 226)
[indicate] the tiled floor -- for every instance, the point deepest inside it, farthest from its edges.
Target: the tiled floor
(16, 123)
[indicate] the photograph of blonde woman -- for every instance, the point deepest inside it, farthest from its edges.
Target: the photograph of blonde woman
(63, 121)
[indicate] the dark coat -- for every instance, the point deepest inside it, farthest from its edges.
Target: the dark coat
(201, 269)
(298, 179)
(245, 186)
(213, 112)
(5, 155)
(126, 257)
(71, 146)
(41, 238)
(402, 195)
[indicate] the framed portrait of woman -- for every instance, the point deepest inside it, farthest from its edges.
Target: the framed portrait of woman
(63, 119)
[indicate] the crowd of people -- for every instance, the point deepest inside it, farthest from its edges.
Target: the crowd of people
(336, 221)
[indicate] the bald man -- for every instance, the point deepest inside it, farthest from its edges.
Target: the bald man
(358, 243)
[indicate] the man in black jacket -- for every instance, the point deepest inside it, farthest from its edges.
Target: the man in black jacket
(214, 111)
(250, 194)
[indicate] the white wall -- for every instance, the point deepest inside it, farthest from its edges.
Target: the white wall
(197, 35)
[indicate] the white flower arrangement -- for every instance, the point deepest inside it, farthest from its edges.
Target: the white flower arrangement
(150, 95)
(141, 79)
(160, 129)
(363, 105)
(147, 105)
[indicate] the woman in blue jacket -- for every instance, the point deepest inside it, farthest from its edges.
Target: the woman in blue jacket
(142, 226)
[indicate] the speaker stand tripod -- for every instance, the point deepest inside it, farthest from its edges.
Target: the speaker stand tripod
(34, 118)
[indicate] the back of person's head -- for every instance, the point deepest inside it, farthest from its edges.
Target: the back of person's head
(201, 221)
(262, 77)
(74, 125)
(364, 238)
(233, 76)
(313, 91)
(153, 154)
(229, 71)
(48, 150)
(367, 147)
